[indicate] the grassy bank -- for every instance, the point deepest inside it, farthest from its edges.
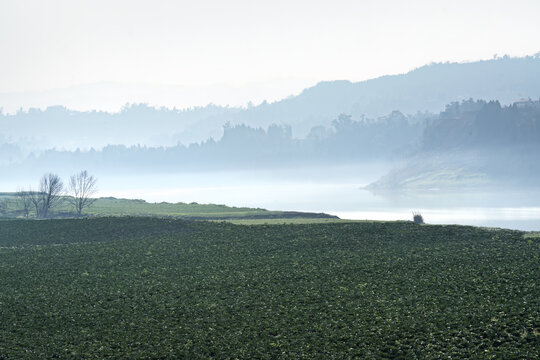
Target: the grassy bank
(132, 207)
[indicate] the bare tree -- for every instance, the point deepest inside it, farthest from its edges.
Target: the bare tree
(82, 187)
(51, 188)
(25, 201)
(36, 201)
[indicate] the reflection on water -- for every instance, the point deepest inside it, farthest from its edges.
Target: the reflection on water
(513, 218)
(339, 193)
(336, 191)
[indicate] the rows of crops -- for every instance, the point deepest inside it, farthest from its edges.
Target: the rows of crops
(154, 288)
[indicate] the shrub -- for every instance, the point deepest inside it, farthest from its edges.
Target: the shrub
(417, 217)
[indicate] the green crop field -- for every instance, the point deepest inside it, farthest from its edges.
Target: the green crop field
(139, 288)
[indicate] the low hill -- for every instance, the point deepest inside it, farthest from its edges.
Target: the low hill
(110, 206)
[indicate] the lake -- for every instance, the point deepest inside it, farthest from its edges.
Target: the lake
(337, 191)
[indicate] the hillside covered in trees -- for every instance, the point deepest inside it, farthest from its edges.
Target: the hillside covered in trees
(419, 93)
(474, 143)
(388, 119)
(470, 143)
(241, 147)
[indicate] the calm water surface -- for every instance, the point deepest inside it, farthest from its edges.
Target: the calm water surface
(337, 191)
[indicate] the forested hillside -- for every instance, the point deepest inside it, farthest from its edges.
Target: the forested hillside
(481, 124)
(475, 143)
(241, 147)
(426, 89)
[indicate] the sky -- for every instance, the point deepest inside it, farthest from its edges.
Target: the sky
(240, 50)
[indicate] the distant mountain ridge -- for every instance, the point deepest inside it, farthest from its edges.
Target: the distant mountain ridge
(428, 88)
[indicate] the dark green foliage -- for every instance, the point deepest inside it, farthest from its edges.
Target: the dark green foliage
(21, 233)
(418, 218)
(481, 124)
(156, 288)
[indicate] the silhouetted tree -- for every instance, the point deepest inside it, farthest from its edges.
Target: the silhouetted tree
(35, 200)
(82, 187)
(51, 188)
(418, 218)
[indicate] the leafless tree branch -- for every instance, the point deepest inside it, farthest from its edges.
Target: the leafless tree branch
(51, 188)
(82, 187)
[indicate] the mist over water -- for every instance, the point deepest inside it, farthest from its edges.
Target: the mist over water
(334, 190)
(467, 153)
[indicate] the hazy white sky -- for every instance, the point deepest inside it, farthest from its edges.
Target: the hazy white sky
(60, 43)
